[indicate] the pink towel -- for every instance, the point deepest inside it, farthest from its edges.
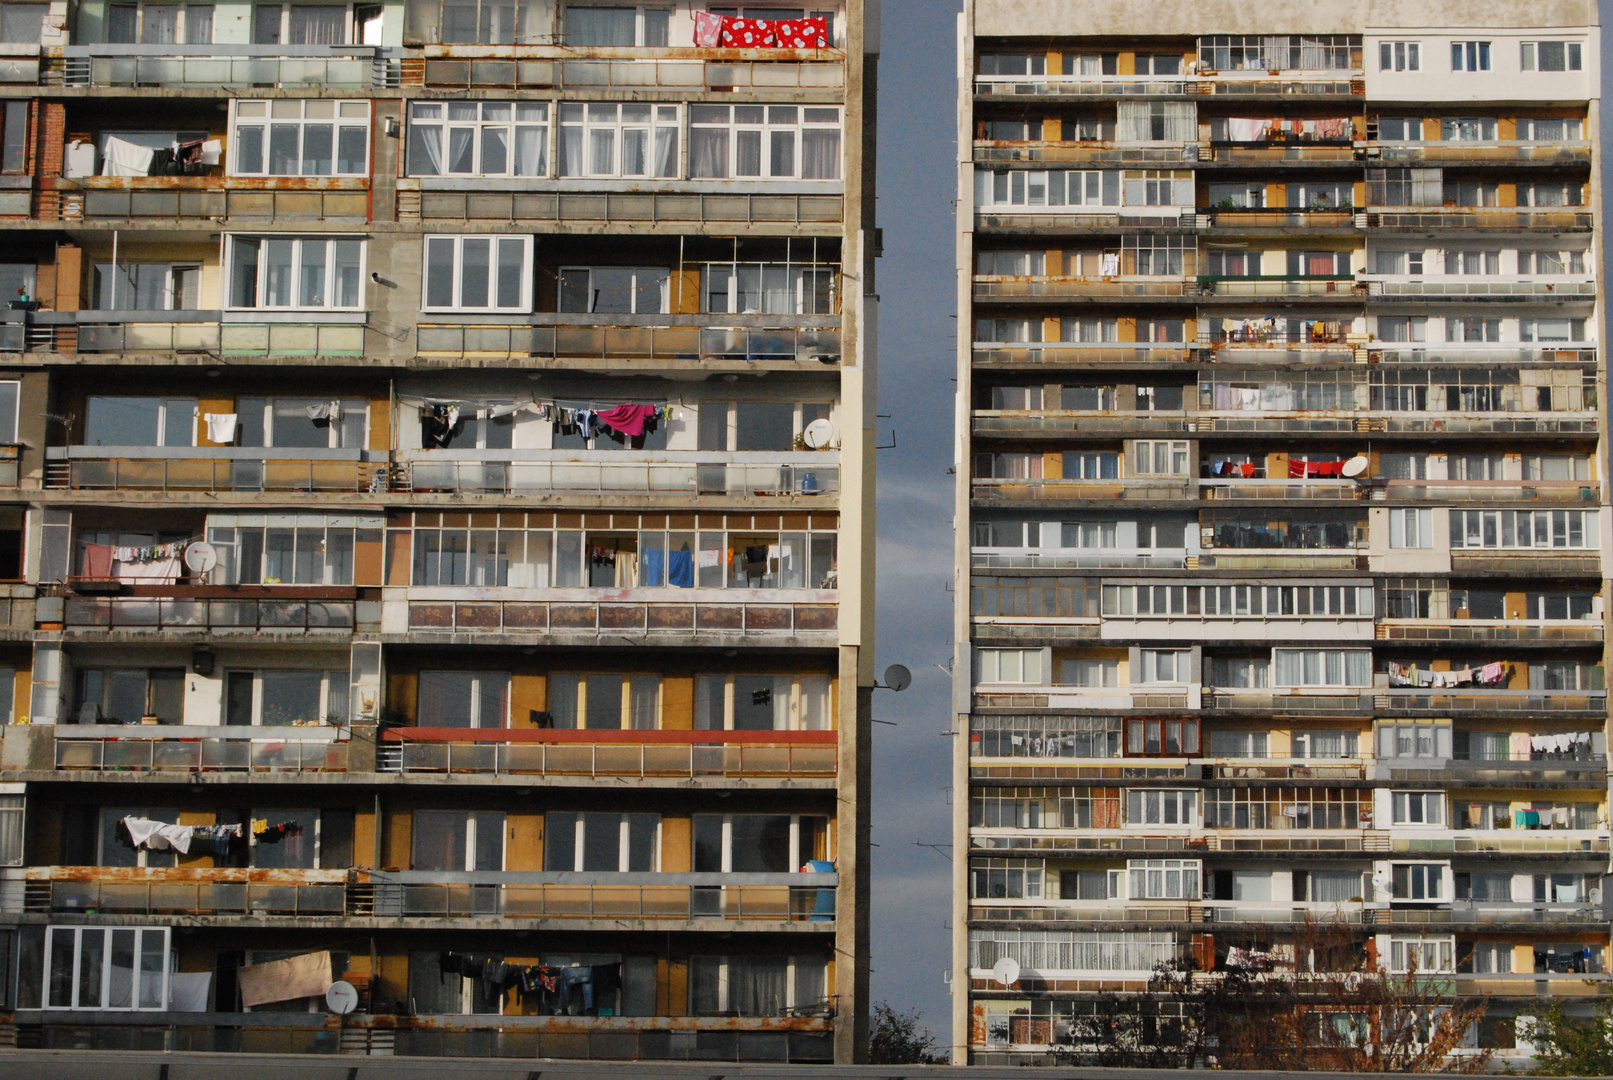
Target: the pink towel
(627, 419)
(97, 560)
(707, 30)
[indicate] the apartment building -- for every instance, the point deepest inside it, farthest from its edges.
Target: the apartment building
(1282, 502)
(436, 528)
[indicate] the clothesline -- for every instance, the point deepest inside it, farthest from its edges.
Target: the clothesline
(1410, 675)
(554, 986)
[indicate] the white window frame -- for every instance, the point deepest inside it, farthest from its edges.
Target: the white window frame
(447, 127)
(661, 122)
(1529, 56)
(224, 533)
(163, 415)
(13, 814)
(630, 681)
(1322, 662)
(1400, 55)
(234, 243)
(799, 279)
(1180, 660)
(1164, 879)
(346, 116)
(350, 30)
(1148, 455)
(470, 836)
(1468, 129)
(792, 991)
(496, 242)
(1414, 808)
(141, 935)
(1047, 187)
(1471, 56)
(1429, 876)
(1017, 667)
(333, 690)
(768, 132)
(10, 410)
(1411, 528)
(1032, 875)
(1152, 806)
(1546, 527)
(1573, 128)
(799, 692)
(1403, 949)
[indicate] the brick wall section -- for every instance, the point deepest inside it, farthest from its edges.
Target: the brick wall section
(49, 146)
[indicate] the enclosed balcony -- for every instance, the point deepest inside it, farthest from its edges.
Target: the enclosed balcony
(201, 749)
(215, 66)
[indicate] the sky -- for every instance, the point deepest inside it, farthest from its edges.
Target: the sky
(917, 163)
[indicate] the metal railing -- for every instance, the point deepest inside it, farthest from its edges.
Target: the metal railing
(399, 753)
(629, 73)
(683, 897)
(1492, 701)
(637, 209)
(1469, 911)
(1284, 85)
(184, 613)
(1012, 559)
(986, 289)
(1567, 152)
(628, 342)
(1564, 290)
(213, 469)
(195, 898)
(1249, 701)
(187, 748)
(664, 616)
(1473, 217)
(992, 488)
(1340, 287)
(506, 472)
(1267, 489)
(1275, 217)
(1069, 352)
(312, 66)
(1512, 630)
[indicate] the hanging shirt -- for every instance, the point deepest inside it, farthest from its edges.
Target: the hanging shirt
(220, 427)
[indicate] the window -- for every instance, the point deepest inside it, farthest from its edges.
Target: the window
(1523, 529)
(1323, 667)
(290, 549)
(302, 24)
(1037, 187)
(1472, 329)
(126, 695)
(1400, 129)
(148, 286)
(1087, 129)
(1165, 665)
(1418, 881)
(773, 141)
(1397, 262)
(618, 290)
(1160, 807)
(1475, 193)
(306, 273)
(478, 273)
(1252, 52)
(1013, 64)
(1556, 467)
(1163, 879)
(601, 842)
(159, 24)
(1245, 195)
(763, 703)
(1158, 187)
(1089, 535)
(140, 421)
(1006, 879)
(757, 985)
(1157, 121)
(1155, 254)
(1089, 884)
(455, 840)
(623, 27)
(1323, 744)
(1094, 465)
(1009, 466)
(758, 843)
(1485, 886)
(1419, 808)
(1011, 263)
(315, 839)
(1565, 675)
(1491, 957)
(1165, 458)
(1400, 56)
(1008, 666)
(1410, 528)
(1334, 886)
(1472, 263)
(1551, 263)
(1240, 673)
(464, 699)
(341, 423)
(605, 702)
(497, 22)
(1551, 129)
(284, 697)
(606, 139)
(1090, 672)
(11, 828)
(770, 288)
(1402, 328)
(1323, 264)
(1550, 55)
(287, 137)
(1285, 808)
(1238, 744)
(489, 138)
(1167, 738)
(22, 24)
(1470, 56)
(122, 969)
(1467, 129)
(1551, 330)
(1422, 954)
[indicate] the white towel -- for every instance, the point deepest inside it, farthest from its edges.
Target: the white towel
(124, 158)
(220, 427)
(158, 835)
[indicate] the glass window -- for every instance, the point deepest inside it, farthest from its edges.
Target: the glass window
(140, 421)
(619, 290)
(477, 273)
(148, 286)
(764, 141)
(22, 24)
(769, 288)
(623, 26)
(300, 24)
(284, 697)
(606, 139)
(464, 699)
(286, 137)
(1400, 56)
(455, 840)
(95, 968)
(489, 138)
(603, 842)
(1470, 56)
(296, 272)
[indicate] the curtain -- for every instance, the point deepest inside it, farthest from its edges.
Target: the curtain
(600, 26)
(161, 25)
(318, 25)
(758, 986)
(199, 24)
(529, 149)
(820, 154)
(601, 151)
(1334, 886)
(122, 24)
(646, 696)
(571, 159)
(666, 152)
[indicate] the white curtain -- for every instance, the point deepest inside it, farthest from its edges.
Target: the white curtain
(161, 25)
(820, 154)
(318, 25)
(425, 150)
(708, 153)
(1335, 886)
(529, 149)
(666, 151)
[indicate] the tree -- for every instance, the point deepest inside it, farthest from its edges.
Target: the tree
(1317, 1003)
(899, 1038)
(1571, 1045)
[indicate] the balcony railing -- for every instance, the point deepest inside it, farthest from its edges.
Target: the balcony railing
(672, 755)
(988, 289)
(991, 152)
(200, 612)
(1568, 152)
(1392, 352)
(204, 197)
(690, 71)
(1512, 630)
(1436, 702)
(1489, 491)
(628, 342)
(1307, 489)
(1476, 217)
(1084, 85)
(627, 472)
(657, 897)
(675, 614)
(1538, 290)
(1020, 558)
(1141, 489)
(193, 748)
(244, 66)
(136, 891)
(1079, 352)
(1260, 217)
(999, 423)
(1315, 287)
(214, 469)
(634, 209)
(199, 332)
(1342, 703)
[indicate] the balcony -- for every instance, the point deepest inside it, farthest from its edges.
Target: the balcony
(707, 613)
(1549, 219)
(1488, 492)
(1499, 844)
(1309, 490)
(1435, 353)
(1294, 702)
(1496, 423)
(200, 333)
(207, 198)
(1078, 353)
(596, 343)
(1086, 152)
(1312, 289)
(185, 748)
(1490, 152)
(981, 558)
(1122, 699)
(1561, 704)
(1521, 771)
(1512, 631)
(1285, 220)
(1278, 153)
(1000, 424)
(1141, 490)
(223, 612)
(641, 755)
(628, 70)
(671, 211)
(93, 890)
(232, 469)
(1068, 86)
(999, 290)
(1582, 291)
(240, 66)
(620, 473)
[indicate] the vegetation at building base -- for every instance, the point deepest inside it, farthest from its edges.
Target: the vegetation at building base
(900, 1038)
(1567, 1045)
(1320, 1004)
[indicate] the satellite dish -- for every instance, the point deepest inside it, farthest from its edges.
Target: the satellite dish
(201, 557)
(898, 678)
(820, 435)
(1006, 971)
(342, 997)
(1356, 466)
